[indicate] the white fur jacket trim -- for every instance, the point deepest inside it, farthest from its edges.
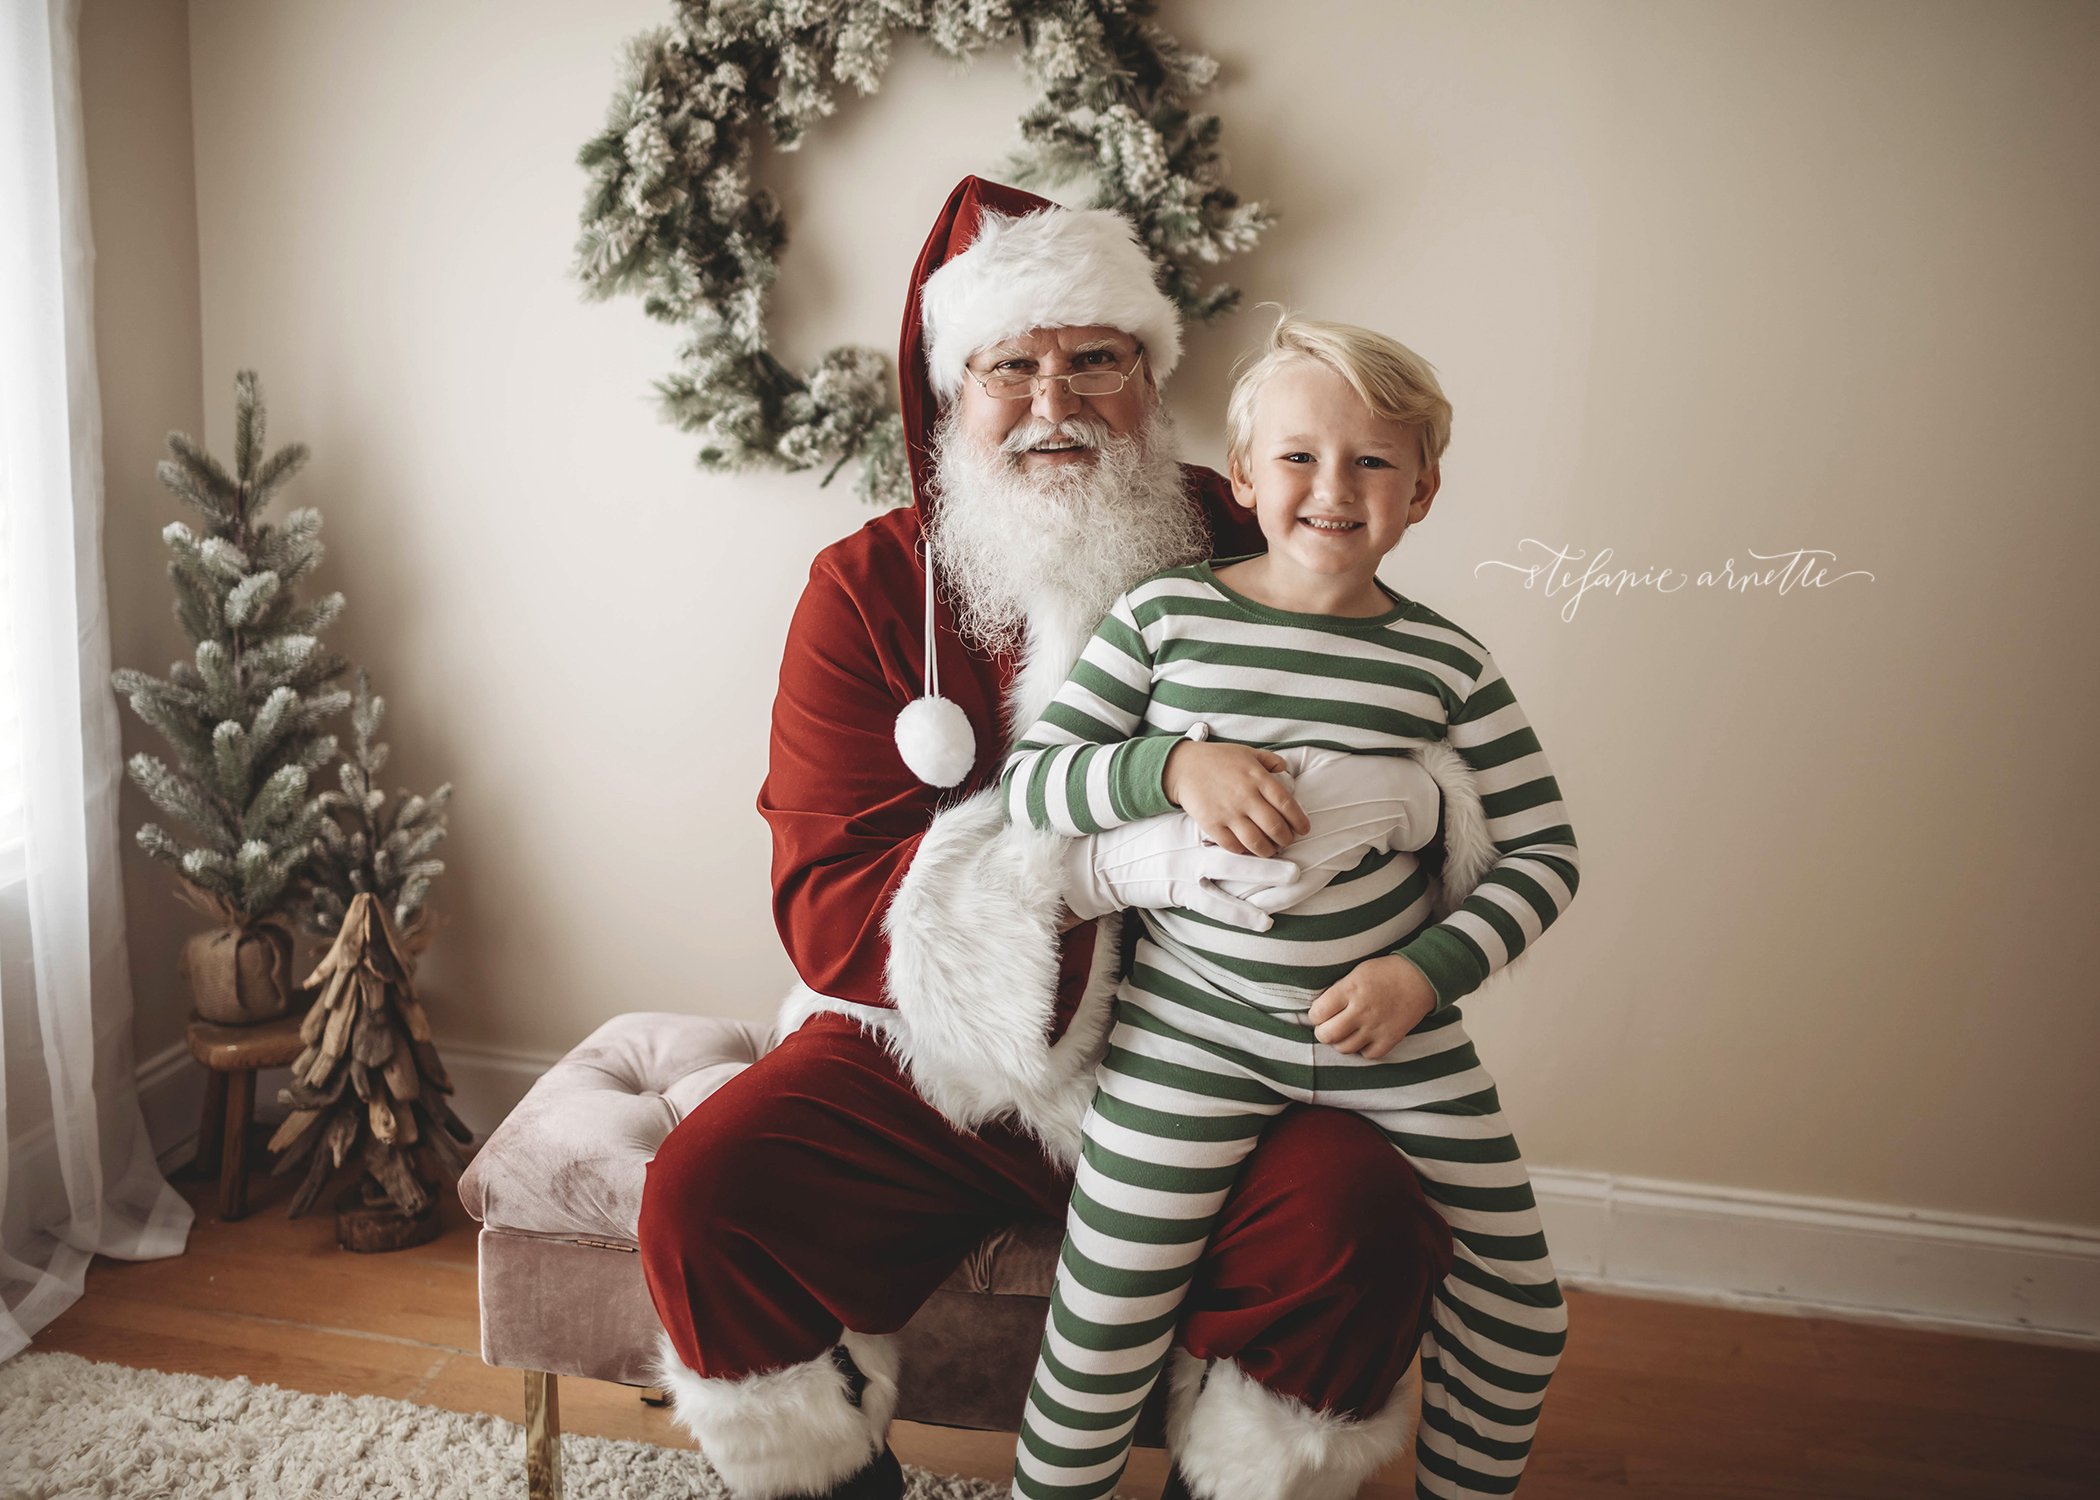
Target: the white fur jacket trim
(974, 948)
(1235, 1440)
(792, 1431)
(973, 973)
(1469, 852)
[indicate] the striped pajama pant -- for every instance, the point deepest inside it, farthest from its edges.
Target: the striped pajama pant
(1191, 1079)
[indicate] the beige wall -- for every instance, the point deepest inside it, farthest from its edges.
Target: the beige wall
(1701, 279)
(135, 94)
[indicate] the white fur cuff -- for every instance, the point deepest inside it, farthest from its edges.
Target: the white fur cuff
(1235, 1440)
(792, 1431)
(1469, 851)
(973, 975)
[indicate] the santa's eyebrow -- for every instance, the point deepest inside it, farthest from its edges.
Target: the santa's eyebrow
(998, 352)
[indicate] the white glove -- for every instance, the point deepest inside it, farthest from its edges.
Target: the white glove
(1163, 861)
(1356, 804)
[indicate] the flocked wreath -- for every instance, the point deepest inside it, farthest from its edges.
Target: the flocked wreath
(673, 212)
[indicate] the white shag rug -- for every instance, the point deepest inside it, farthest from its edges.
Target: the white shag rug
(72, 1428)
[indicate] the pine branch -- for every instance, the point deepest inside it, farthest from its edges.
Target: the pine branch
(250, 599)
(181, 798)
(280, 466)
(204, 473)
(247, 425)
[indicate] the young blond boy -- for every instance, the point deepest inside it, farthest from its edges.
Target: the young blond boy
(1193, 690)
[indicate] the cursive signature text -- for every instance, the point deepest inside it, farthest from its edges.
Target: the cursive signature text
(1572, 573)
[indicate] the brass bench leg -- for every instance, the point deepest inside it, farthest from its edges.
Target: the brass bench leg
(542, 1436)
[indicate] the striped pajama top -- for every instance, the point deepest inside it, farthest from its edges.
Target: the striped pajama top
(1182, 647)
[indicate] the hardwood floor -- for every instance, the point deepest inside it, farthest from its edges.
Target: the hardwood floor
(1654, 1399)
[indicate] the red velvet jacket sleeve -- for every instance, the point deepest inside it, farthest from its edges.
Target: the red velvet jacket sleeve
(846, 813)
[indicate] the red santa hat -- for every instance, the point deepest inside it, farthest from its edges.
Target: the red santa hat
(1050, 268)
(1001, 261)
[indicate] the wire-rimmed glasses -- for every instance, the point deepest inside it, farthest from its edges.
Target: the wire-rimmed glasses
(1002, 385)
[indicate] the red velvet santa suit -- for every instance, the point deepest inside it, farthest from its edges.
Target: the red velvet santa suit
(837, 1182)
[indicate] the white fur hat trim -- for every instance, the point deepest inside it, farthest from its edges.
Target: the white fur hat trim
(1060, 268)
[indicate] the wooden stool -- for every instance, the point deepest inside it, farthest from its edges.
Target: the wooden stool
(233, 1054)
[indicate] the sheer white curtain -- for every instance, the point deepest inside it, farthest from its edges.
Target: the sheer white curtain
(79, 1176)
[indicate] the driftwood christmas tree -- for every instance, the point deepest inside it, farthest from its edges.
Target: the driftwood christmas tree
(369, 1085)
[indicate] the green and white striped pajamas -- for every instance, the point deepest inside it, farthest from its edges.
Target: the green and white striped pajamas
(1211, 1040)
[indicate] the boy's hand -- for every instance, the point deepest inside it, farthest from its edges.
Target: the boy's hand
(1379, 1002)
(1232, 793)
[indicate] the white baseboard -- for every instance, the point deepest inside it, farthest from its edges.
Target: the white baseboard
(487, 1084)
(1639, 1237)
(171, 1097)
(1786, 1253)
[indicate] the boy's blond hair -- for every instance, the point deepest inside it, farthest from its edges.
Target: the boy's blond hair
(1394, 381)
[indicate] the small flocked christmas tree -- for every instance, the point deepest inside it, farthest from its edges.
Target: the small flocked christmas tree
(362, 845)
(244, 714)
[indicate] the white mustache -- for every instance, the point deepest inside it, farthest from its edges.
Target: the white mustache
(1015, 546)
(1088, 432)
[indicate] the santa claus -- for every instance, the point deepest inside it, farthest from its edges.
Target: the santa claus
(958, 971)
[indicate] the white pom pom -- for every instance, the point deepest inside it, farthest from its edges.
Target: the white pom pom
(936, 741)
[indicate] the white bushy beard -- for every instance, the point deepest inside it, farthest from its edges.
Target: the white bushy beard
(1054, 547)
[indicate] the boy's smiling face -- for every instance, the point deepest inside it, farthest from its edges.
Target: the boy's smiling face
(1333, 484)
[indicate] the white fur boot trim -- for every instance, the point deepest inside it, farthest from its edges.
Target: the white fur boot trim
(973, 975)
(1235, 1440)
(792, 1431)
(1469, 852)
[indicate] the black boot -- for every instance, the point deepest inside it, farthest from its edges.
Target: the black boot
(882, 1479)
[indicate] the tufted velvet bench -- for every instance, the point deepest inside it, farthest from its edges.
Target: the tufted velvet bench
(557, 1190)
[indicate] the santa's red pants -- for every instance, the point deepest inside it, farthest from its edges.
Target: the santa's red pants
(817, 1190)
